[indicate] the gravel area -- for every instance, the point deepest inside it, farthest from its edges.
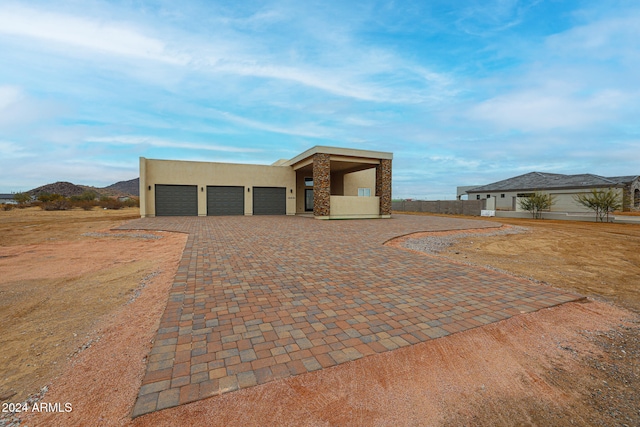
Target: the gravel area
(439, 242)
(126, 235)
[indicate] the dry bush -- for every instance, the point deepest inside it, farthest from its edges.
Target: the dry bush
(87, 205)
(132, 203)
(56, 205)
(6, 206)
(109, 203)
(54, 202)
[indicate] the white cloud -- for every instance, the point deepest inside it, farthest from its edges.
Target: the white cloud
(165, 143)
(309, 130)
(603, 38)
(349, 71)
(487, 17)
(9, 95)
(12, 150)
(548, 108)
(96, 35)
(16, 108)
(337, 81)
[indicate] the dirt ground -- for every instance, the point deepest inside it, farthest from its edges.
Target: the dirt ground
(62, 274)
(599, 260)
(576, 364)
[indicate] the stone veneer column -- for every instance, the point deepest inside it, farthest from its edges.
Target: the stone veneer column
(321, 184)
(383, 186)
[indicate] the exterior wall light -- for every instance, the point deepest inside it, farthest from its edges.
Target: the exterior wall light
(291, 190)
(248, 189)
(149, 188)
(202, 189)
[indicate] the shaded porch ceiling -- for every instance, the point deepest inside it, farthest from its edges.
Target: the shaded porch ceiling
(339, 166)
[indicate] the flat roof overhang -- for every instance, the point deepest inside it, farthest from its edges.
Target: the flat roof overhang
(342, 159)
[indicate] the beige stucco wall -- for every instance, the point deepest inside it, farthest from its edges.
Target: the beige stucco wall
(349, 182)
(202, 174)
(344, 206)
(361, 179)
(337, 184)
(563, 199)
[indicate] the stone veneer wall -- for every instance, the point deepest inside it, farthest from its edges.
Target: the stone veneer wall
(630, 201)
(321, 184)
(383, 186)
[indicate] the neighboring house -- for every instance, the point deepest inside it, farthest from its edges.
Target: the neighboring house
(7, 199)
(326, 182)
(504, 195)
(462, 191)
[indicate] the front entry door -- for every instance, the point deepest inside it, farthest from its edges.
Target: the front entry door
(308, 200)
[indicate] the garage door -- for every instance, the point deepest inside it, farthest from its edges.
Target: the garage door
(225, 200)
(269, 201)
(176, 200)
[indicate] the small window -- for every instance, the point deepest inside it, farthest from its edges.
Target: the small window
(308, 182)
(478, 197)
(502, 196)
(364, 192)
(488, 196)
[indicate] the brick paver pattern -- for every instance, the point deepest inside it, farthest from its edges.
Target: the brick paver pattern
(257, 299)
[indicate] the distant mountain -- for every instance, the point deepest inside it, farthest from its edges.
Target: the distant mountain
(67, 189)
(131, 187)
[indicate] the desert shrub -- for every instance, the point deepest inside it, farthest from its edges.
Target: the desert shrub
(44, 197)
(59, 204)
(536, 203)
(6, 206)
(87, 205)
(23, 199)
(110, 203)
(132, 203)
(54, 202)
(87, 196)
(601, 202)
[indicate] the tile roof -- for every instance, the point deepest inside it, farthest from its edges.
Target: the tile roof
(542, 180)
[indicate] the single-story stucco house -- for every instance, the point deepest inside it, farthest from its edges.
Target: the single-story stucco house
(8, 199)
(326, 182)
(504, 195)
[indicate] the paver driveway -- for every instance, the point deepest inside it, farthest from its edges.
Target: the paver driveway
(261, 298)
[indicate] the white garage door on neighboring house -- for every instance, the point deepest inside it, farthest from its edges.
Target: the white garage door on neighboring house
(269, 201)
(224, 200)
(176, 200)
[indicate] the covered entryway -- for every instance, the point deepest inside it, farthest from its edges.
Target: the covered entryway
(269, 201)
(176, 200)
(225, 200)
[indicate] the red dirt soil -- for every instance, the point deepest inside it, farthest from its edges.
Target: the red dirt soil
(575, 364)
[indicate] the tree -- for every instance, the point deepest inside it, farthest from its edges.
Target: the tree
(536, 203)
(22, 198)
(87, 196)
(600, 201)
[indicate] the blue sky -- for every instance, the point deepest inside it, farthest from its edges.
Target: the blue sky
(462, 92)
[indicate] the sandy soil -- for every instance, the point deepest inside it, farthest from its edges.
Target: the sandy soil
(600, 260)
(60, 287)
(576, 364)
